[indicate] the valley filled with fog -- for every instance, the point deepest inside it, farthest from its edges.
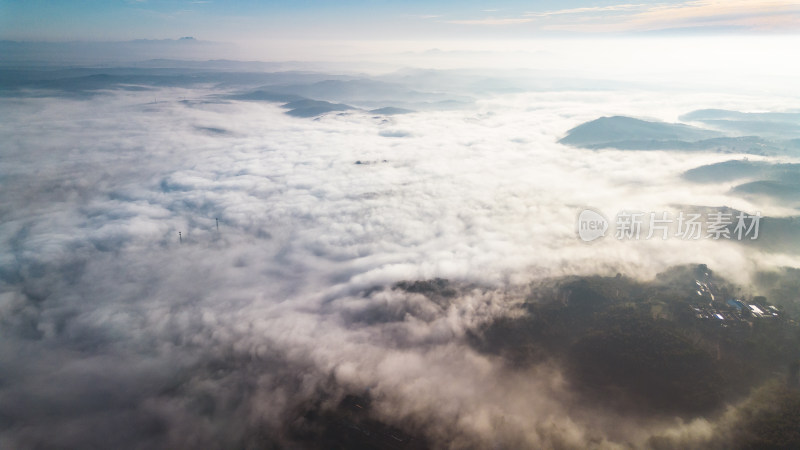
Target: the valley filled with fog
(225, 256)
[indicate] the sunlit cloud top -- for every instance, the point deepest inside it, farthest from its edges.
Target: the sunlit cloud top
(758, 15)
(745, 15)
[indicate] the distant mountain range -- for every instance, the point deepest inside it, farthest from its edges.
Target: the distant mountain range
(775, 234)
(768, 124)
(613, 131)
(299, 106)
(627, 133)
(775, 181)
(313, 108)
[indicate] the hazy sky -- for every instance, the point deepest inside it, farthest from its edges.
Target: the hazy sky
(247, 20)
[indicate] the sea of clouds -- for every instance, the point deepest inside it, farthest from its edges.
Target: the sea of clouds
(116, 334)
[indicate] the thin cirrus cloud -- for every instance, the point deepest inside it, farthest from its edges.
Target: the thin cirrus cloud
(766, 15)
(594, 9)
(491, 21)
(755, 15)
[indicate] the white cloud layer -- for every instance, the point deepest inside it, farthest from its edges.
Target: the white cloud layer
(114, 324)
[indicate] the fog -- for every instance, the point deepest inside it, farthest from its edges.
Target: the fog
(117, 332)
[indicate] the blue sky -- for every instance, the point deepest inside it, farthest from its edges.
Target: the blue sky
(381, 19)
